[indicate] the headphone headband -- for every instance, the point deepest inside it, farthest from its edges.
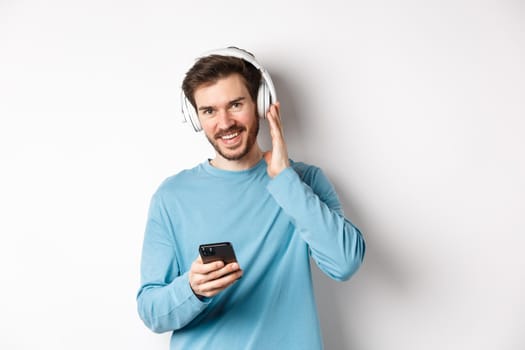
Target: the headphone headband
(265, 96)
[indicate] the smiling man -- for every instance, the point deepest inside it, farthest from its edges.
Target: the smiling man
(229, 124)
(278, 215)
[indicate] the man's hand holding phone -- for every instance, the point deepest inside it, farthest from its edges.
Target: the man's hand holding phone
(209, 279)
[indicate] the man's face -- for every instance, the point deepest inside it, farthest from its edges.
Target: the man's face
(228, 116)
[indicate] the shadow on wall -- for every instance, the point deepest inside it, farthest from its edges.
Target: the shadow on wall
(342, 305)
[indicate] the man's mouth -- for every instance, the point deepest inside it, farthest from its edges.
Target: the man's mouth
(228, 135)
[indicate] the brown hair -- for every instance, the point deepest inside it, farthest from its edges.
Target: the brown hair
(211, 68)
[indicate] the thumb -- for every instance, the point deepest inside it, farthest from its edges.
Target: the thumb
(267, 157)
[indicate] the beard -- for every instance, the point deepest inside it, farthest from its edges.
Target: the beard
(243, 149)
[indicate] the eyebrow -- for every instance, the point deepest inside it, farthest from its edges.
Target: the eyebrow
(237, 100)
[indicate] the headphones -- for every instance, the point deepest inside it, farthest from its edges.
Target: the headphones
(265, 96)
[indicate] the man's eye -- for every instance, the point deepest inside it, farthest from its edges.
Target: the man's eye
(207, 111)
(236, 105)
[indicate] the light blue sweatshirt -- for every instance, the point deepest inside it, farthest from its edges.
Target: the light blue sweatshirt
(274, 225)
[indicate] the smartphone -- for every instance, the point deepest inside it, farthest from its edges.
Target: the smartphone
(217, 251)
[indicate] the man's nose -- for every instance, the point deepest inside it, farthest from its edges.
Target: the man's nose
(224, 119)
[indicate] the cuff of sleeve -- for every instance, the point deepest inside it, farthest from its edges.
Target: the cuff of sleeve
(184, 292)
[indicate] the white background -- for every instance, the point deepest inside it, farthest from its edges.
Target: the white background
(414, 109)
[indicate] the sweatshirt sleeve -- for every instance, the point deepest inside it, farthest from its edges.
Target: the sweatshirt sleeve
(336, 245)
(165, 299)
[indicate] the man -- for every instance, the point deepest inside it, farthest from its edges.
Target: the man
(276, 213)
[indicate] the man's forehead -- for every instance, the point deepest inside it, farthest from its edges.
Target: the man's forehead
(223, 90)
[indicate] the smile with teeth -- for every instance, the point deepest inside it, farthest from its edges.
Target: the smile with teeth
(229, 136)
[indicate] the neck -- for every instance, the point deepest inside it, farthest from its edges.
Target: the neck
(248, 161)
